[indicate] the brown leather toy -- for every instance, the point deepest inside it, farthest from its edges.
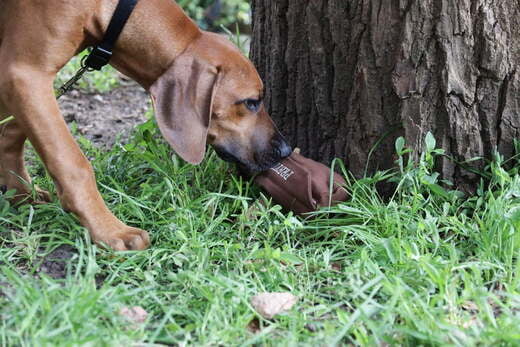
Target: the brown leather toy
(302, 185)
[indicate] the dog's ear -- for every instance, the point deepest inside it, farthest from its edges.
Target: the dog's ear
(183, 100)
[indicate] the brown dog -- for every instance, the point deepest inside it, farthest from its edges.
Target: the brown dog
(193, 76)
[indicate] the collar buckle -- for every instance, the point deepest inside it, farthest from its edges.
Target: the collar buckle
(98, 58)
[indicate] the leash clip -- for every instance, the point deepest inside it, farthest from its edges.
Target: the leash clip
(98, 58)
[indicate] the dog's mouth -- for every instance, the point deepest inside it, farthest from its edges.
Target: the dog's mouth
(263, 161)
(225, 155)
(266, 160)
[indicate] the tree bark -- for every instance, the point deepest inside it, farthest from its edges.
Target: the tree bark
(345, 78)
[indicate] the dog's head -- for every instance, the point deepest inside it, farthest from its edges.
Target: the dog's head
(213, 94)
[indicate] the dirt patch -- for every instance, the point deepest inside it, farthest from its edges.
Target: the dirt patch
(55, 263)
(103, 118)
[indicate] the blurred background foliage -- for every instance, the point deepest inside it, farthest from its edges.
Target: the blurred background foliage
(214, 14)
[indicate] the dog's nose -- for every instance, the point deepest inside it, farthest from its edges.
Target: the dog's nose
(281, 146)
(285, 150)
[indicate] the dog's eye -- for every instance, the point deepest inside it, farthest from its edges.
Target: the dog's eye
(252, 104)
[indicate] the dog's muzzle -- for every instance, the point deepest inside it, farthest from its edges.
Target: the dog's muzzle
(279, 150)
(264, 160)
(225, 155)
(281, 147)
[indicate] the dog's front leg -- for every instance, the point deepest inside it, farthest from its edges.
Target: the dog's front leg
(28, 95)
(13, 174)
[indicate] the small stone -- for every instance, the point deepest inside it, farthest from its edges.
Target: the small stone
(269, 305)
(135, 315)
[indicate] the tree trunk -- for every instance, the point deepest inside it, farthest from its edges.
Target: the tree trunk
(345, 78)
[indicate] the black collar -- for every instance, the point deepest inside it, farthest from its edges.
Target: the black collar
(101, 54)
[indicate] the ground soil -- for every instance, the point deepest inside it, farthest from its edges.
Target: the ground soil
(55, 263)
(104, 117)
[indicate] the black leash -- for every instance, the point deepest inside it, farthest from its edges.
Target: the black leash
(100, 55)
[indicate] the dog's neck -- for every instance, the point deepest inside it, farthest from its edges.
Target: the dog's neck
(157, 32)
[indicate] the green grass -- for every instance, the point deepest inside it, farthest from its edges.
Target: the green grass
(93, 81)
(425, 267)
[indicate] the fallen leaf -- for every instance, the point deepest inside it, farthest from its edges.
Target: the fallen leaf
(135, 315)
(254, 326)
(269, 305)
(470, 306)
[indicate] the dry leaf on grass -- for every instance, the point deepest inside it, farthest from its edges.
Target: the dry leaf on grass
(270, 304)
(135, 315)
(470, 306)
(254, 326)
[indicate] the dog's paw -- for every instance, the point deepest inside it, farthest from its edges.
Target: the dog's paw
(130, 239)
(25, 196)
(42, 196)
